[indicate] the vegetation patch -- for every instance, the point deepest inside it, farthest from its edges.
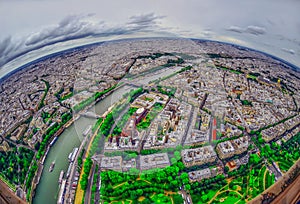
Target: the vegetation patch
(145, 123)
(155, 185)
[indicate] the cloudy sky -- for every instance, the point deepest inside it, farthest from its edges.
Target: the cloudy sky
(33, 28)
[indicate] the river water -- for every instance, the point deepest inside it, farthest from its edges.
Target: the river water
(48, 189)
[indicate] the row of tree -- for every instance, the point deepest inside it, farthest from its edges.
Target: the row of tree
(14, 164)
(169, 91)
(87, 165)
(50, 132)
(92, 99)
(214, 183)
(121, 123)
(30, 176)
(120, 186)
(126, 155)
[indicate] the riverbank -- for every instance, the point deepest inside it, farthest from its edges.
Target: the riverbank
(75, 117)
(80, 193)
(47, 189)
(38, 173)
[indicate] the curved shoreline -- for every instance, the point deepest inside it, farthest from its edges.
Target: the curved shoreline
(72, 121)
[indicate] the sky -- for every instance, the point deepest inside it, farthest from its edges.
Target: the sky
(34, 28)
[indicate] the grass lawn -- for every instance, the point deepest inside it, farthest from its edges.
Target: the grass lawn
(249, 76)
(211, 194)
(161, 198)
(241, 202)
(284, 166)
(145, 123)
(231, 199)
(261, 177)
(228, 198)
(250, 185)
(156, 198)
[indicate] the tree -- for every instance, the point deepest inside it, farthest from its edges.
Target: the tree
(177, 155)
(87, 167)
(174, 183)
(180, 165)
(187, 187)
(260, 139)
(134, 171)
(177, 198)
(173, 160)
(204, 198)
(184, 177)
(254, 159)
(146, 201)
(226, 169)
(139, 192)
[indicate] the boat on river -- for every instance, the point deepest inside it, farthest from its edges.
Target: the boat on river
(61, 176)
(52, 166)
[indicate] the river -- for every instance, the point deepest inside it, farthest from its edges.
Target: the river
(47, 189)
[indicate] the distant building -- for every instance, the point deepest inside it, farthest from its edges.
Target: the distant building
(127, 165)
(130, 128)
(113, 163)
(4, 147)
(198, 156)
(240, 144)
(154, 161)
(225, 149)
(232, 147)
(200, 174)
(140, 114)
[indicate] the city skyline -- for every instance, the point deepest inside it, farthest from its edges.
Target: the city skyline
(32, 31)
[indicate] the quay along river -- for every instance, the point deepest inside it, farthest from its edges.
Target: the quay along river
(48, 188)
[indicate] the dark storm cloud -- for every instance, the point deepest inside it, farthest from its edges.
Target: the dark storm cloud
(71, 28)
(290, 51)
(256, 30)
(291, 40)
(251, 29)
(5, 44)
(235, 29)
(144, 19)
